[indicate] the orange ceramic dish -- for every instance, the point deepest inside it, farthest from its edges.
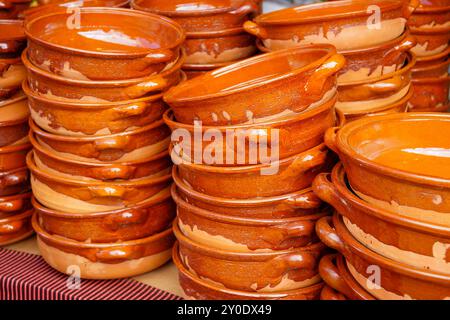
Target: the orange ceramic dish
(399, 162)
(430, 41)
(12, 9)
(12, 73)
(430, 94)
(14, 228)
(279, 83)
(13, 156)
(13, 132)
(14, 181)
(430, 17)
(14, 108)
(432, 69)
(12, 37)
(14, 204)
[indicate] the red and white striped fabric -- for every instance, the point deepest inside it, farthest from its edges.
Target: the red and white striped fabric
(25, 276)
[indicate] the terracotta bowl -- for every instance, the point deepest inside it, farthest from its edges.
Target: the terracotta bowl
(244, 234)
(195, 288)
(138, 221)
(282, 137)
(12, 205)
(196, 16)
(435, 59)
(105, 260)
(430, 17)
(127, 146)
(13, 132)
(386, 163)
(265, 180)
(430, 94)
(292, 205)
(14, 108)
(57, 87)
(393, 235)
(432, 69)
(135, 44)
(255, 272)
(395, 280)
(274, 84)
(15, 228)
(430, 41)
(12, 73)
(329, 294)
(341, 23)
(12, 36)
(195, 70)
(14, 181)
(81, 196)
(12, 9)
(13, 156)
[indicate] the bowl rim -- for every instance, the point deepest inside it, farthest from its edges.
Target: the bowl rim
(19, 23)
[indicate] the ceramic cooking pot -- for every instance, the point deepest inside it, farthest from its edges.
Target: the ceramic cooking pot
(12, 36)
(105, 260)
(132, 145)
(138, 221)
(393, 235)
(343, 24)
(135, 44)
(14, 228)
(12, 9)
(55, 86)
(274, 84)
(430, 17)
(195, 288)
(14, 181)
(81, 196)
(14, 108)
(13, 132)
(398, 163)
(12, 205)
(244, 234)
(265, 180)
(393, 280)
(250, 271)
(430, 94)
(430, 41)
(12, 73)
(13, 156)
(281, 137)
(205, 15)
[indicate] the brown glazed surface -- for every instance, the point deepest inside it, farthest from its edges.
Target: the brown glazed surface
(242, 182)
(265, 85)
(291, 135)
(248, 233)
(109, 44)
(393, 230)
(12, 73)
(44, 82)
(109, 148)
(396, 280)
(201, 15)
(296, 204)
(432, 69)
(14, 181)
(13, 9)
(430, 17)
(251, 271)
(430, 94)
(15, 227)
(199, 289)
(13, 156)
(12, 205)
(138, 221)
(409, 172)
(14, 108)
(430, 41)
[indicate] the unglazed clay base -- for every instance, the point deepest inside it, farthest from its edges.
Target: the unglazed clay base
(225, 56)
(366, 73)
(11, 111)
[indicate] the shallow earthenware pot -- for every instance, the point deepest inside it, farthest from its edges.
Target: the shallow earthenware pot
(430, 17)
(152, 44)
(13, 132)
(395, 280)
(138, 221)
(14, 181)
(430, 94)
(197, 16)
(342, 24)
(399, 237)
(408, 183)
(241, 233)
(13, 9)
(255, 272)
(105, 260)
(265, 180)
(14, 108)
(55, 86)
(430, 41)
(133, 145)
(195, 288)
(276, 83)
(282, 137)
(81, 196)
(13, 156)
(14, 228)
(12, 205)
(12, 73)
(12, 36)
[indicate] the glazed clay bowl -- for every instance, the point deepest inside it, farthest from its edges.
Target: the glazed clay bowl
(430, 94)
(428, 61)
(431, 69)
(343, 24)
(329, 294)
(398, 163)
(135, 44)
(13, 132)
(81, 196)
(15, 228)
(195, 70)
(12, 205)
(265, 180)
(12, 37)
(14, 108)
(395, 280)
(132, 145)
(218, 46)
(281, 137)
(393, 235)
(138, 221)
(57, 87)
(199, 16)
(249, 271)
(430, 41)
(274, 84)
(12, 73)
(430, 17)
(244, 234)
(12, 9)
(105, 260)
(195, 288)
(14, 181)
(13, 156)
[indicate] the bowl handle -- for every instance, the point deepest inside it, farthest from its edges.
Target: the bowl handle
(281, 233)
(307, 200)
(328, 234)
(248, 8)
(254, 29)
(129, 110)
(159, 56)
(116, 255)
(409, 8)
(105, 191)
(291, 261)
(11, 206)
(119, 143)
(14, 179)
(330, 274)
(309, 160)
(113, 172)
(155, 83)
(327, 191)
(127, 218)
(409, 42)
(329, 294)
(388, 85)
(330, 138)
(11, 227)
(315, 83)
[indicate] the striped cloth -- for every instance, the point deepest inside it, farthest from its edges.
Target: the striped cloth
(25, 276)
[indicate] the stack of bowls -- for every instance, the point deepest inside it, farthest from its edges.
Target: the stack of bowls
(100, 168)
(246, 215)
(15, 213)
(430, 23)
(214, 33)
(376, 78)
(392, 199)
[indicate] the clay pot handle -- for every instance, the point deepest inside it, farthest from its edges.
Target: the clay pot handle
(309, 160)
(130, 110)
(328, 234)
(392, 55)
(11, 227)
(326, 191)
(306, 200)
(11, 206)
(119, 142)
(388, 85)
(330, 274)
(127, 218)
(155, 83)
(410, 7)
(291, 230)
(248, 8)
(329, 294)
(107, 191)
(254, 29)
(315, 83)
(113, 172)
(291, 261)
(159, 56)
(14, 179)
(116, 255)
(330, 139)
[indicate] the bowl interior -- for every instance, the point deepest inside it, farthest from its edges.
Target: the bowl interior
(183, 6)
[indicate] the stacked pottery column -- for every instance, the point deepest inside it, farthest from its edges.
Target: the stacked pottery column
(100, 170)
